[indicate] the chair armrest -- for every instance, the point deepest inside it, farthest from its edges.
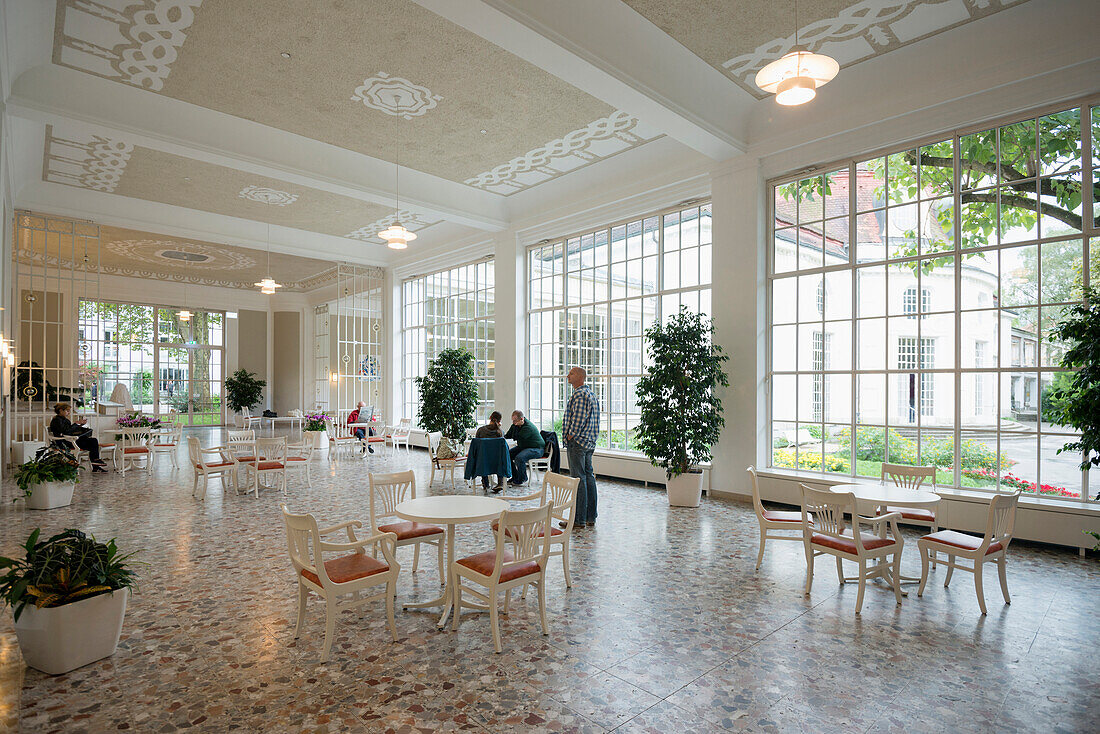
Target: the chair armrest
(387, 546)
(532, 496)
(343, 526)
(891, 516)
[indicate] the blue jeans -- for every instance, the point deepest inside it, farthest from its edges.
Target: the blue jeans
(580, 465)
(520, 457)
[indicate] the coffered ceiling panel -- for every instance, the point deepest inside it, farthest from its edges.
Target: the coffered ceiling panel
(115, 166)
(385, 78)
(740, 38)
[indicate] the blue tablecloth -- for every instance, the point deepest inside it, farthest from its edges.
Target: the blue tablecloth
(488, 456)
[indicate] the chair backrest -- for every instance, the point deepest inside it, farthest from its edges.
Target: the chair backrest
(402, 429)
(172, 436)
(303, 542)
(522, 531)
(757, 505)
(387, 491)
(241, 443)
(433, 443)
(909, 477)
(133, 437)
(823, 512)
(338, 429)
(303, 449)
(561, 491)
(271, 449)
(193, 447)
(1002, 519)
(246, 413)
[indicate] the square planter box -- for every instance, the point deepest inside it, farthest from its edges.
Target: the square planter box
(48, 495)
(56, 640)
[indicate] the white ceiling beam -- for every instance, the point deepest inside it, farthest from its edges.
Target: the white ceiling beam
(608, 50)
(56, 95)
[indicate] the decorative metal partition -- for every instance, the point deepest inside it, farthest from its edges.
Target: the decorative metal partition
(355, 326)
(55, 266)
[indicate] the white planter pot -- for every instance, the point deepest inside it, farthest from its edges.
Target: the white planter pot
(59, 639)
(685, 490)
(319, 438)
(48, 495)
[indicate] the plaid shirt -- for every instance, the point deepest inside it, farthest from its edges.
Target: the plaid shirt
(582, 418)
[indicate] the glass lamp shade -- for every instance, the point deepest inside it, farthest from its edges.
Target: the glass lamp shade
(185, 315)
(397, 237)
(267, 286)
(797, 75)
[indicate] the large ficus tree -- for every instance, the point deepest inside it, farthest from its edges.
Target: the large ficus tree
(681, 413)
(448, 394)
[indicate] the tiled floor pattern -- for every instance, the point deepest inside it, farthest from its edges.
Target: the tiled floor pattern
(667, 629)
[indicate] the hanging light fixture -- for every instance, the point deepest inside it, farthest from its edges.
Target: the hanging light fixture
(397, 237)
(795, 78)
(268, 285)
(184, 315)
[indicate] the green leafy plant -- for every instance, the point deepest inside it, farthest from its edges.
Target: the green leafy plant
(50, 464)
(243, 390)
(1077, 404)
(448, 394)
(681, 413)
(64, 569)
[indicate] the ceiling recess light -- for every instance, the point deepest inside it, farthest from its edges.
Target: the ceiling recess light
(397, 237)
(795, 78)
(285, 54)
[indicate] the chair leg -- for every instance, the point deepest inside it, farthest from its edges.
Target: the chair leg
(416, 557)
(924, 554)
(1002, 567)
(840, 569)
(897, 577)
(494, 620)
(809, 570)
(330, 627)
(862, 587)
(542, 605)
(934, 530)
(950, 570)
(565, 564)
(978, 585)
(456, 604)
(760, 553)
(431, 477)
(303, 597)
(507, 601)
(439, 552)
(391, 592)
(309, 480)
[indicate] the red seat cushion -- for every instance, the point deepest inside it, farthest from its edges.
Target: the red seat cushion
(218, 465)
(245, 459)
(136, 450)
(107, 445)
(553, 531)
(271, 465)
(848, 544)
(484, 563)
(296, 458)
(376, 439)
(162, 445)
(406, 530)
(912, 513)
(349, 568)
(782, 516)
(960, 540)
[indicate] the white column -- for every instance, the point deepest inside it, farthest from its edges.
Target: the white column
(510, 329)
(738, 304)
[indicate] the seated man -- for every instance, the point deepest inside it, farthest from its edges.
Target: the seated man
(529, 445)
(353, 417)
(491, 430)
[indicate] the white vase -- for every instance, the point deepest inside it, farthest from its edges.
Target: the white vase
(319, 439)
(48, 495)
(56, 640)
(685, 490)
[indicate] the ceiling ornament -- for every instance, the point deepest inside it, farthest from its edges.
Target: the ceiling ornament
(85, 161)
(596, 140)
(411, 220)
(395, 96)
(265, 195)
(155, 252)
(136, 45)
(865, 30)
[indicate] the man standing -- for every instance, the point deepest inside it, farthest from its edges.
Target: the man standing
(529, 445)
(580, 427)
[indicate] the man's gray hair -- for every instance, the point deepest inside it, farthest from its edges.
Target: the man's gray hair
(518, 412)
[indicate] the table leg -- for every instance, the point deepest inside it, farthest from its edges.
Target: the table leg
(445, 600)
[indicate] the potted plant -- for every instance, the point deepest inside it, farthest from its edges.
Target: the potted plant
(313, 429)
(681, 413)
(48, 479)
(243, 390)
(448, 394)
(62, 595)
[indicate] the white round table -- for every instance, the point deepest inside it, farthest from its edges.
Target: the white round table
(449, 510)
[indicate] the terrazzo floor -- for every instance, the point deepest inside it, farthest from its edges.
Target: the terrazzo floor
(666, 629)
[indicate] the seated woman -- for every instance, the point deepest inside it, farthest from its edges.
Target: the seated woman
(61, 426)
(491, 430)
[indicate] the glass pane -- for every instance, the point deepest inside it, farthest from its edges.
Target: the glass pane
(836, 193)
(838, 398)
(810, 199)
(937, 225)
(978, 454)
(783, 397)
(1060, 205)
(1019, 217)
(870, 189)
(783, 300)
(937, 169)
(836, 241)
(1062, 266)
(1060, 142)
(872, 291)
(1017, 151)
(901, 230)
(871, 353)
(978, 159)
(901, 179)
(871, 236)
(783, 258)
(811, 297)
(980, 400)
(871, 399)
(980, 340)
(978, 221)
(1020, 276)
(838, 295)
(979, 280)
(810, 248)
(783, 447)
(784, 348)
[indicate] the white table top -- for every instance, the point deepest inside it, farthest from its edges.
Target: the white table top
(888, 494)
(451, 509)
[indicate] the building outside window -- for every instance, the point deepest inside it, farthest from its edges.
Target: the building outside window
(590, 298)
(909, 258)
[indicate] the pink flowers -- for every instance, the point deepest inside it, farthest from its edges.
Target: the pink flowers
(137, 420)
(1010, 480)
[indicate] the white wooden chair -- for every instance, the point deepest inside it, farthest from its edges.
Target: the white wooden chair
(133, 446)
(250, 422)
(400, 434)
(912, 477)
(992, 546)
(502, 569)
(386, 492)
(823, 532)
(772, 521)
(210, 463)
(299, 456)
(562, 491)
(340, 437)
(446, 467)
(270, 459)
(168, 443)
(538, 468)
(69, 442)
(241, 448)
(352, 573)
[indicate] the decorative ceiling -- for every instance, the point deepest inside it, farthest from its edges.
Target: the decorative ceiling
(739, 38)
(113, 166)
(146, 255)
(386, 78)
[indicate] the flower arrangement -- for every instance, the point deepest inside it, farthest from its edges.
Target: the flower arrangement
(50, 464)
(316, 422)
(1010, 480)
(138, 420)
